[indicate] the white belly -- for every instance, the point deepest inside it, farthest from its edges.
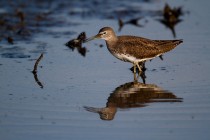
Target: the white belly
(129, 58)
(126, 58)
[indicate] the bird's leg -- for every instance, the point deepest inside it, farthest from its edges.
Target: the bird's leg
(140, 70)
(134, 72)
(135, 79)
(134, 68)
(142, 64)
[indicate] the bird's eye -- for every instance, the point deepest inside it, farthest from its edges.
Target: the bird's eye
(104, 33)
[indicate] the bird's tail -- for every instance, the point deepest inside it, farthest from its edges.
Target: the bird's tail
(168, 45)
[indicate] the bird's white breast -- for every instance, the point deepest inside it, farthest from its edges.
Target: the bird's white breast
(129, 58)
(125, 57)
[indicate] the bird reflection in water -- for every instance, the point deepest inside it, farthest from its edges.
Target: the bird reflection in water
(171, 17)
(132, 95)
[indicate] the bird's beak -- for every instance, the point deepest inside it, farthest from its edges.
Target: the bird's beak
(91, 38)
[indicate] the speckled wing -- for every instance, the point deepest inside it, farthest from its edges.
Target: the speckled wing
(138, 47)
(142, 48)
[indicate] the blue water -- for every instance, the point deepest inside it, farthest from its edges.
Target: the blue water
(177, 107)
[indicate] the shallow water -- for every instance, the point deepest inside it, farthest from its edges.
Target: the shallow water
(76, 92)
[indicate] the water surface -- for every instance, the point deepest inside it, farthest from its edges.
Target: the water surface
(75, 91)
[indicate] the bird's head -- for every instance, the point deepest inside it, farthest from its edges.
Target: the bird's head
(106, 33)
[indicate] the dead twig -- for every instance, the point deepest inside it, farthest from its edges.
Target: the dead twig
(37, 80)
(35, 71)
(36, 63)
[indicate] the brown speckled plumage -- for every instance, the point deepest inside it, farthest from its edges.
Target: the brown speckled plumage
(138, 47)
